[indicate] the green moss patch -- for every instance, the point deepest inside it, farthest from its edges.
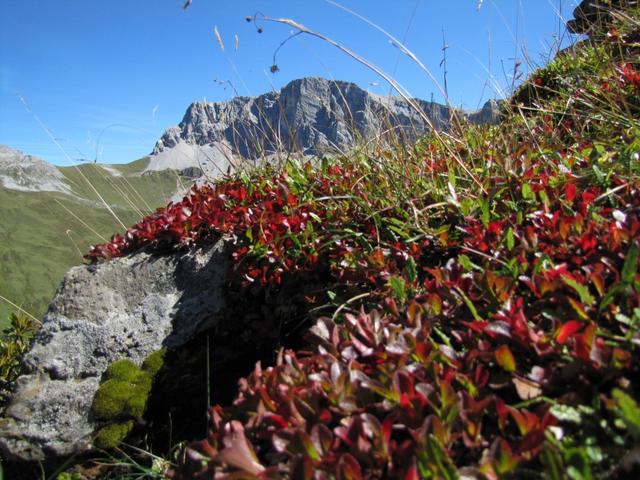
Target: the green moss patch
(122, 370)
(154, 362)
(111, 400)
(122, 397)
(111, 435)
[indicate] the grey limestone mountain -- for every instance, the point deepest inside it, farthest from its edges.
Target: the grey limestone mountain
(28, 173)
(488, 114)
(310, 116)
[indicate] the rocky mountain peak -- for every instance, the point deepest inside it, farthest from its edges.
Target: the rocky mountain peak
(19, 171)
(310, 115)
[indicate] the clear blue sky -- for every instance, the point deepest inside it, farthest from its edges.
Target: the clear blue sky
(107, 77)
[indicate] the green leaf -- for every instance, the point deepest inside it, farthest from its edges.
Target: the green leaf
(398, 288)
(599, 174)
(465, 262)
(544, 263)
(411, 271)
(469, 304)
(315, 217)
(611, 295)
(627, 277)
(510, 239)
(544, 198)
(505, 359)
(629, 411)
(578, 307)
(630, 267)
(452, 177)
(527, 193)
(434, 462)
(552, 460)
(582, 290)
(486, 215)
(582, 471)
(398, 226)
(308, 446)
(308, 229)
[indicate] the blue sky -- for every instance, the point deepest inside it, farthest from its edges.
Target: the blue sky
(105, 78)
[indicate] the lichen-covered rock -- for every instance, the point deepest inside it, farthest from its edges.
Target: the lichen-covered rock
(126, 308)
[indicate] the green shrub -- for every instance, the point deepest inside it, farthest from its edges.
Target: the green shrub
(15, 341)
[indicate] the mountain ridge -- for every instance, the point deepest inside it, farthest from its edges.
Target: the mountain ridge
(311, 116)
(23, 172)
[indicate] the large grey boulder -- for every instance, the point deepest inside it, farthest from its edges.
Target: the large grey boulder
(125, 308)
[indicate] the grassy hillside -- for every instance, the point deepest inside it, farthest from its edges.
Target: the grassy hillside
(132, 190)
(43, 234)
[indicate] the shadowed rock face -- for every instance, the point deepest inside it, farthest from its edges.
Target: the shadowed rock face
(592, 14)
(310, 115)
(126, 308)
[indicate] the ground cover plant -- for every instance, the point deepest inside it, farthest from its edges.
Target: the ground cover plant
(14, 343)
(479, 313)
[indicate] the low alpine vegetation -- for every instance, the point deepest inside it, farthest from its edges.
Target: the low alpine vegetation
(15, 341)
(480, 304)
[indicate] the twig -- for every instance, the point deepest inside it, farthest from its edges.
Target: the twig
(21, 309)
(348, 302)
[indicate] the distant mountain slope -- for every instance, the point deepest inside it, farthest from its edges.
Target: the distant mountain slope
(49, 216)
(311, 116)
(28, 173)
